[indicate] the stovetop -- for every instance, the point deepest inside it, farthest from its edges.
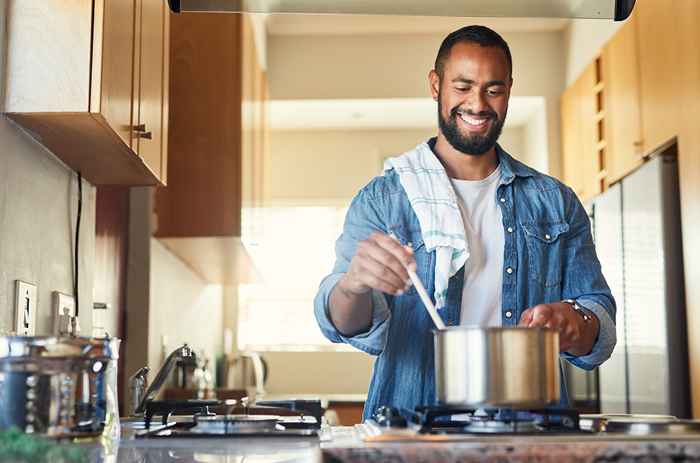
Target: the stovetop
(450, 423)
(193, 418)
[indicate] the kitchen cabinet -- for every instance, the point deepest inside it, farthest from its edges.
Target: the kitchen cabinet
(581, 135)
(659, 54)
(216, 142)
(571, 139)
(625, 148)
(93, 88)
(689, 178)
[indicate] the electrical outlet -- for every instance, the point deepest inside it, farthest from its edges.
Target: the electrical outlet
(62, 304)
(25, 308)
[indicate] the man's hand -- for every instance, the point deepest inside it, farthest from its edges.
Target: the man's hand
(379, 263)
(576, 336)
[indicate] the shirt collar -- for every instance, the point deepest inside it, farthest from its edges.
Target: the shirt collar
(510, 168)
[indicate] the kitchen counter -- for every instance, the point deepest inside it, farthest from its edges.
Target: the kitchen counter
(344, 445)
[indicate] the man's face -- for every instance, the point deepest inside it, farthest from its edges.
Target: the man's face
(472, 97)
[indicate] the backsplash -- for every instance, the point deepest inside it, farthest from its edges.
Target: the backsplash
(38, 206)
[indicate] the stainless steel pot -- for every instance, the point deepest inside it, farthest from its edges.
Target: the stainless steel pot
(56, 386)
(497, 367)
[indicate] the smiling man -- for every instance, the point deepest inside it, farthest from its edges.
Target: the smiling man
(495, 242)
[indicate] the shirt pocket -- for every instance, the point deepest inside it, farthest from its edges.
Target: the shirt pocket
(545, 245)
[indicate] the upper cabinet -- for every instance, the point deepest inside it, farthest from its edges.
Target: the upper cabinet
(582, 134)
(659, 55)
(624, 139)
(93, 90)
(217, 142)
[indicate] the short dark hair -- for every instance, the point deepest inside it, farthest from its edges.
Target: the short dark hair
(480, 35)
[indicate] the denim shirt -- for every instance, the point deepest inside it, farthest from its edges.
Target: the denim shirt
(548, 256)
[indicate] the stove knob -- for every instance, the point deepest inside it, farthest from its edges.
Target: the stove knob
(389, 417)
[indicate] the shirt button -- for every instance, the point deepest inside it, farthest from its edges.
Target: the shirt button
(509, 314)
(510, 229)
(503, 200)
(509, 270)
(547, 237)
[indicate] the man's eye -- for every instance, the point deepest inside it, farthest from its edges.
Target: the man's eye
(494, 92)
(462, 89)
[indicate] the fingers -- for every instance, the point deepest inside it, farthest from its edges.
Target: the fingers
(554, 316)
(403, 254)
(380, 262)
(526, 318)
(542, 315)
(377, 274)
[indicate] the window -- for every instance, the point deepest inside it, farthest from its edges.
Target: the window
(292, 248)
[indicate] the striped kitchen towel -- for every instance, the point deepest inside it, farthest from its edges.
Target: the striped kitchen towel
(434, 201)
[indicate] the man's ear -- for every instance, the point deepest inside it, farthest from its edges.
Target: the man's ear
(434, 81)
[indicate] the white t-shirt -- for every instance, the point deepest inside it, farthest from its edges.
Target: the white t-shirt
(483, 271)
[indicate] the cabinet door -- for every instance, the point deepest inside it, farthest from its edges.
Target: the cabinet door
(116, 103)
(571, 140)
(659, 50)
(622, 114)
(588, 166)
(151, 84)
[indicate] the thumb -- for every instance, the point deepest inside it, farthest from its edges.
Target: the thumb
(526, 318)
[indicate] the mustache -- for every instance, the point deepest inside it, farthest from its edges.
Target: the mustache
(490, 114)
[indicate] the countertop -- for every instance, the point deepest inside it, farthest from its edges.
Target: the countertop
(344, 445)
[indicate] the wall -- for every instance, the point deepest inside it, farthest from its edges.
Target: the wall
(183, 308)
(583, 41)
(167, 303)
(303, 165)
(318, 372)
(38, 206)
(396, 66)
(535, 142)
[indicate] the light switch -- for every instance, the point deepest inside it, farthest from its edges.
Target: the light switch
(25, 308)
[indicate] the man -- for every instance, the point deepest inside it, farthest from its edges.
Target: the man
(495, 242)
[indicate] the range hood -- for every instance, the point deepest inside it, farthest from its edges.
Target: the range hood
(618, 10)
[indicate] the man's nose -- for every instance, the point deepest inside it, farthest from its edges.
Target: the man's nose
(477, 103)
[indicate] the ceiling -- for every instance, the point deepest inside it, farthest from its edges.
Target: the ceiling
(392, 113)
(309, 24)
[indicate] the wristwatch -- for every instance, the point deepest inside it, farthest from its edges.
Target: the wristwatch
(581, 310)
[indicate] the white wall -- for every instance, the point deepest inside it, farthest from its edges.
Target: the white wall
(332, 165)
(583, 40)
(396, 66)
(38, 206)
(535, 142)
(167, 303)
(183, 308)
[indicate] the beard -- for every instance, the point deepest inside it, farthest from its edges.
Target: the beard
(474, 145)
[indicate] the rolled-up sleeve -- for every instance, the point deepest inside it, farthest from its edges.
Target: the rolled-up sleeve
(584, 282)
(363, 218)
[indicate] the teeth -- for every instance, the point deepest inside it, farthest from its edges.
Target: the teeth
(472, 121)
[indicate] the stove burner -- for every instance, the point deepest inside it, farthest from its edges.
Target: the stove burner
(230, 424)
(443, 419)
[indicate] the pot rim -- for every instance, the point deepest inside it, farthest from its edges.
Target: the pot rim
(533, 329)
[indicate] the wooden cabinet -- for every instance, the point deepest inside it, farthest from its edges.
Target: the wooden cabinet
(689, 177)
(580, 135)
(216, 140)
(571, 140)
(624, 148)
(93, 88)
(659, 53)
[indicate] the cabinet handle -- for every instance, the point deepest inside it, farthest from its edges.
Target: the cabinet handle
(147, 135)
(140, 128)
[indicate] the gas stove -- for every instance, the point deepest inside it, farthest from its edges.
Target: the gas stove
(194, 418)
(450, 423)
